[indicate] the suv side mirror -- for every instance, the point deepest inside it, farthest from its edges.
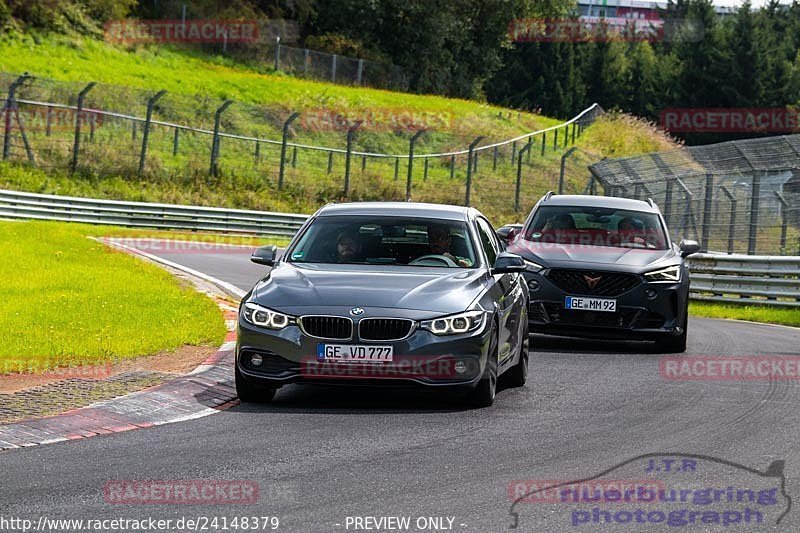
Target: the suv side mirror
(508, 263)
(688, 247)
(265, 255)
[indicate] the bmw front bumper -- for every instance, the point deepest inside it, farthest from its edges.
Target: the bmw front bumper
(289, 355)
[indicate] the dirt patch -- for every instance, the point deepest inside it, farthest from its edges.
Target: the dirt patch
(180, 361)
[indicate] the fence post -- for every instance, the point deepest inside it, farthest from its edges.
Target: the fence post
(544, 140)
(475, 162)
(330, 162)
(513, 152)
(566, 135)
(294, 157)
(707, 211)
(452, 166)
(363, 163)
(472, 146)
(561, 172)
(732, 220)
(351, 131)
(784, 205)
(77, 143)
(668, 201)
(11, 104)
(151, 102)
(49, 122)
(215, 140)
(522, 152)
(333, 68)
(411, 143)
(284, 140)
(494, 159)
(754, 201)
(555, 139)
(256, 153)
(425, 172)
(574, 125)
(360, 71)
(396, 168)
(133, 130)
(305, 62)
(277, 53)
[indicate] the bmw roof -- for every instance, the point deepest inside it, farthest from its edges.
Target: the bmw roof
(598, 201)
(409, 209)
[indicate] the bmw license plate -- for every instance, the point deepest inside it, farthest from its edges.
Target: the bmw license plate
(578, 303)
(354, 353)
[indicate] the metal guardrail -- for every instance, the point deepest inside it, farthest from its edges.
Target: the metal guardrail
(717, 277)
(24, 205)
(746, 279)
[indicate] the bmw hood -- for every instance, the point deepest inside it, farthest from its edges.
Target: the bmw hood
(438, 290)
(567, 255)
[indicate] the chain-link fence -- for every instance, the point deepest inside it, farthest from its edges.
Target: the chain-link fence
(244, 152)
(736, 196)
(340, 69)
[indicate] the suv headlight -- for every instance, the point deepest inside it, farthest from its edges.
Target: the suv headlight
(672, 273)
(455, 324)
(533, 267)
(266, 318)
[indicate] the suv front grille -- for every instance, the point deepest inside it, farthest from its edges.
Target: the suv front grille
(384, 329)
(327, 327)
(605, 283)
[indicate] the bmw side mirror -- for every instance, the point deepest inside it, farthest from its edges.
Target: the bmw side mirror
(508, 263)
(265, 255)
(688, 247)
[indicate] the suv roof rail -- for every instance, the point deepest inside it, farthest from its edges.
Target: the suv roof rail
(547, 196)
(652, 203)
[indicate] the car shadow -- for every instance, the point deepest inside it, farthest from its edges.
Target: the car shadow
(361, 400)
(552, 344)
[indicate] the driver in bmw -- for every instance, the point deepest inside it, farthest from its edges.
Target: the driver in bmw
(440, 242)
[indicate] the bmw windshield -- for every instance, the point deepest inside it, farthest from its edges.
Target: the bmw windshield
(385, 241)
(597, 226)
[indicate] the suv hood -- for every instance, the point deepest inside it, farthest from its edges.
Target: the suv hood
(438, 290)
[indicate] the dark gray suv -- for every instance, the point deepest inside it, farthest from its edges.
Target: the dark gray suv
(604, 267)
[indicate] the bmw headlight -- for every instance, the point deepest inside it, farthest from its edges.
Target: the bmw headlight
(455, 324)
(533, 267)
(265, 318)
(672, 273)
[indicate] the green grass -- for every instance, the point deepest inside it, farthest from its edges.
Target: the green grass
(197, 84)
(66, 300)
(754, 313)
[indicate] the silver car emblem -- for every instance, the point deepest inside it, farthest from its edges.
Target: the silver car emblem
(356, 311)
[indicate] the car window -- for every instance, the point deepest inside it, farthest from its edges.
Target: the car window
(385, 240)
(489, 241)
(596, 226)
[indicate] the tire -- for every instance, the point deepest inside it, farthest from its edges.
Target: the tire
(250, 393)
(518, 375)
(483, 395)
(675, 343)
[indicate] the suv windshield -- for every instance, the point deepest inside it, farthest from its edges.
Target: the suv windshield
(596, 226)
(385, 240)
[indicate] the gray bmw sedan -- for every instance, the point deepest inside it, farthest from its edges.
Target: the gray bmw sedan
(387, 294)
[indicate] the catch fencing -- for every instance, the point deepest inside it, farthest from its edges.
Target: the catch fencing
(736, 196)
(320, 153)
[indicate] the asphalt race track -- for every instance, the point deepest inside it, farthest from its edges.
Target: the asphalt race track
(323, 454)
